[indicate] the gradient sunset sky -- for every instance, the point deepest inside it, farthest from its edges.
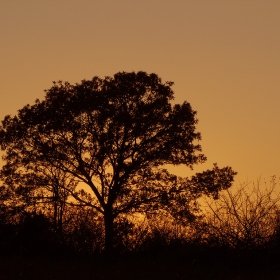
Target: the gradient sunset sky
(224, 57)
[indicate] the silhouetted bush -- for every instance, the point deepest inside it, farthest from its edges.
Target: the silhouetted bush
(35, 236)
(245, 218)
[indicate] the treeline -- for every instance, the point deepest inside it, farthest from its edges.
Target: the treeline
(245, 220)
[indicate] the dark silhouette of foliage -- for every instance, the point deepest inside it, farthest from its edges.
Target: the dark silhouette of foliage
(112, 135)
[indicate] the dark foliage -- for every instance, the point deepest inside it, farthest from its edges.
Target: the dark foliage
(85, 194)
(112, 135)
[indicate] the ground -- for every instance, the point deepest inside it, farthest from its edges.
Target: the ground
(135, 268)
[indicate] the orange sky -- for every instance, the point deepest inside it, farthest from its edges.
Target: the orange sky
(224, 57)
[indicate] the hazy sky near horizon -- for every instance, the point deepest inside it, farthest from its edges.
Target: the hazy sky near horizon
(224, 57)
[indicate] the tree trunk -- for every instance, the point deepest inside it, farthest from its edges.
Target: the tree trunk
(109, 229)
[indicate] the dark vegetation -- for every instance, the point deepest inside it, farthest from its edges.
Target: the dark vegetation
(85, 195)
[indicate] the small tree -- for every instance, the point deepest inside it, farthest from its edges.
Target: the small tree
(245, 217)
(39, 189)
(112, 135)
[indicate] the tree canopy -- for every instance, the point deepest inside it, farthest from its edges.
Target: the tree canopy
(115, 135)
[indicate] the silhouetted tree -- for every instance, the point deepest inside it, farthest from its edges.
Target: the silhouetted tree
(246, 217)
(112, 134)
(38, 189)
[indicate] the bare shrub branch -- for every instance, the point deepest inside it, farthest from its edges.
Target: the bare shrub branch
(245, 217)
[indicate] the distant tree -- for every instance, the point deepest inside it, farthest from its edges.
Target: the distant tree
(113, 135)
